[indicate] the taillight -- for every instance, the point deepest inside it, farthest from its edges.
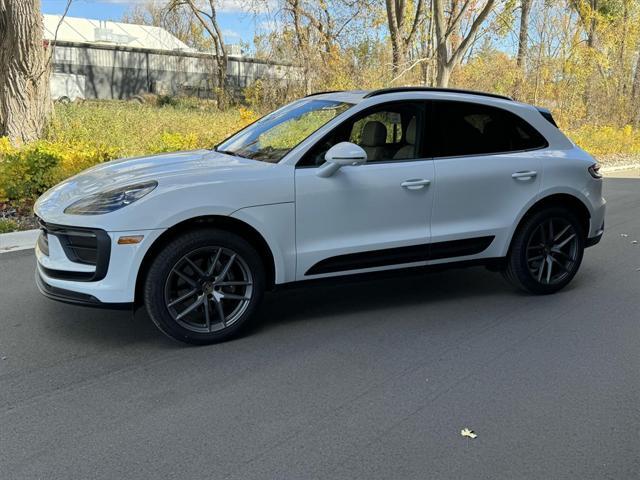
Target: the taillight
(594, 170)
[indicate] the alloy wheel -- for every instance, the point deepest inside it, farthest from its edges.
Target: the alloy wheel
(552, 251)
(208, 289)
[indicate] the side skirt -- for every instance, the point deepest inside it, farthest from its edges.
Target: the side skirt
(400, 255)
(494, 264)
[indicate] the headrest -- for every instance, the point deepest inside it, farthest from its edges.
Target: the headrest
(374, 134)
(410, 134)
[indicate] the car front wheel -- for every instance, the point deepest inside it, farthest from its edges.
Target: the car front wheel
(546, 251)
(204, 286)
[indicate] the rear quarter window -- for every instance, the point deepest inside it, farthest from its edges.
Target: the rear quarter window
(466, 128)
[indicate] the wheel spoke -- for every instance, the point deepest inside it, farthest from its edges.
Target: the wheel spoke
(221, 313)
(541, 271)
(215, 261)
(190, 308)
(195, 267)
(186, 278)
(565, 241)
(564, 230)
(557, 251)
(233, 296)
(226, 268)
(549, 268)
(555, 260)
(207, 319)
(233, 284)
(551, 230)
(182, 297)
(533, 259)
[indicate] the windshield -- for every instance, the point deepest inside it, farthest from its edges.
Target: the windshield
(274, 135)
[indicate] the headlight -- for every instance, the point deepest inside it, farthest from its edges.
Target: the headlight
(105, 202)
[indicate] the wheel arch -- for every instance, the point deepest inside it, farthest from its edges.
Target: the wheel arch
(222, 222)
(565, 200)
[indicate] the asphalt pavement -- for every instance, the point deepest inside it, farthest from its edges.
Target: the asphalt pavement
(359, 380)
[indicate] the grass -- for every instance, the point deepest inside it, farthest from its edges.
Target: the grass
(130, 129)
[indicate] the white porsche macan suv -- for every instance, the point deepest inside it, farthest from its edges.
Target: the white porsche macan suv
(336, 183)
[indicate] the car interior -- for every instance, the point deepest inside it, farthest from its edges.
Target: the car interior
(389, 134)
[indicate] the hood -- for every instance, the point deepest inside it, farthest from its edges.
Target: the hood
(164, 168)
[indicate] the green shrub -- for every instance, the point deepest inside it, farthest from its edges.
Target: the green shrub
(7, 225)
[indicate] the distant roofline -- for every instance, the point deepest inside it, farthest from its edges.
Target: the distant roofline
(184, 53)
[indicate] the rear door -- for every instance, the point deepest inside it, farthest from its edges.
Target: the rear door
(487, 168)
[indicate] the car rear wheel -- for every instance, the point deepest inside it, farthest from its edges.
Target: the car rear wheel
(546, 251)
(204, 286)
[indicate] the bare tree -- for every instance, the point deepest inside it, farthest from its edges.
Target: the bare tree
(25, 98)
(179, 21)
(449, 56)
(402, 36)
(523, 35)
(206, 14)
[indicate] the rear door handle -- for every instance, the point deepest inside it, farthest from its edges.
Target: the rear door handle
(415, 183)
(526, 175)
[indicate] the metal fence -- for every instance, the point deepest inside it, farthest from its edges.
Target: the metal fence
(114, 72)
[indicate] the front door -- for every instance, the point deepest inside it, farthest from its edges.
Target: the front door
(372, 216)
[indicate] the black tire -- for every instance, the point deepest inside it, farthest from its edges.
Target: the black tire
(190, 255)
(534, 275)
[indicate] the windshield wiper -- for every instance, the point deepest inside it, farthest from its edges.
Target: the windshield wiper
(228, 152)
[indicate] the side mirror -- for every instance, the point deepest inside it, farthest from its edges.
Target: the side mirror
(340, 155)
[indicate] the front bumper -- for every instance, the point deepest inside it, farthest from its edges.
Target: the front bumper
(76, 298)
(106, 277)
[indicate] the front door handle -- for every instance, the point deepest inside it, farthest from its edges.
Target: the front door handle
(415, 183)
(526, 175)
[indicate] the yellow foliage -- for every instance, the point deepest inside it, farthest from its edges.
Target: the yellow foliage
(607, 140)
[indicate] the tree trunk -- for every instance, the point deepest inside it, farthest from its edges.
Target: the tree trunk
(635, 92)
(25, 98)
(524, 33)
(443, 76)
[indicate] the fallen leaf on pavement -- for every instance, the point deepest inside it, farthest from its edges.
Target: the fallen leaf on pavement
(465, 432)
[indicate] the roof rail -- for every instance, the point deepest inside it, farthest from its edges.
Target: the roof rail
(383, 91)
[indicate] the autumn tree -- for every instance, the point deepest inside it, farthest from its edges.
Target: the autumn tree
(25, 99)
(403, 19)
(448, 21)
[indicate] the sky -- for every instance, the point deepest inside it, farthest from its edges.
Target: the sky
(237, 25)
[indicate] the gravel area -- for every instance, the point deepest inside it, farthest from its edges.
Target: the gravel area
(619, 161)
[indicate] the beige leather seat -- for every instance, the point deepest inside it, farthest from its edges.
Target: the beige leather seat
(409, 149)
(373, 140)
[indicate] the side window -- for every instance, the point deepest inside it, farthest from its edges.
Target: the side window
(387, 132)
(475, 129)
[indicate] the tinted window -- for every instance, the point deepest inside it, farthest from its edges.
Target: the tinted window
(387, 132)
(473, 129)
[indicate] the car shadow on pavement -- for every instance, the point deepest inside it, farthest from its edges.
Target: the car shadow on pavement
(400, 290)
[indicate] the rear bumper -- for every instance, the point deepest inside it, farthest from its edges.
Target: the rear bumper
(76, 298)
(590, 242)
